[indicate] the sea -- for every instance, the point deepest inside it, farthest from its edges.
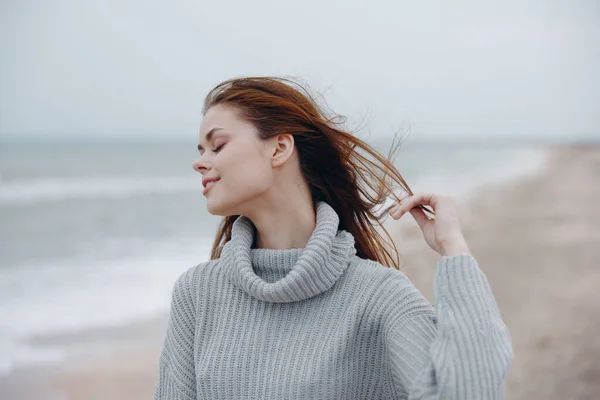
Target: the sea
(94, 234)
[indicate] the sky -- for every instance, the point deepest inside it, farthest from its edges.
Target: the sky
(140, 69)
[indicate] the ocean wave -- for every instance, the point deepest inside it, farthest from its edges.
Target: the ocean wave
(64, 296)
(60, 188)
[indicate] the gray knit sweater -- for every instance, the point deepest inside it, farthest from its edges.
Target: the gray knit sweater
(322, 323)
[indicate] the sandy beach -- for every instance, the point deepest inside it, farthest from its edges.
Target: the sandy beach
(536, 239)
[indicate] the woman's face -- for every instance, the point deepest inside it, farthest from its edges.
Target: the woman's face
(231, 151)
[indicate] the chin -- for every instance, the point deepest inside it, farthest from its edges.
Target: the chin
(217, 208)
(234, 203)
(213, 208)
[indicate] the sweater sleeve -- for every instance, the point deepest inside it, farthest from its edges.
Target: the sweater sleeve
(460, 351)
(176, 377)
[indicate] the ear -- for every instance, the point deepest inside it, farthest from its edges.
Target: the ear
(283, 149)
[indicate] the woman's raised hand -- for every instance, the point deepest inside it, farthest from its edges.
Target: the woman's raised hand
(442, 233)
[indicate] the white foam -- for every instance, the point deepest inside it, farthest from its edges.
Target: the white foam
(67, 296)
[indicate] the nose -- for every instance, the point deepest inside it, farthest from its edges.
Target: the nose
(200, 165)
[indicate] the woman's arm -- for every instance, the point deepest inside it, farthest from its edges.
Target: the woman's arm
(176, 379)
(462, 350)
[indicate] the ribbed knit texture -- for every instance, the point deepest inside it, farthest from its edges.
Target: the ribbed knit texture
(322, 323)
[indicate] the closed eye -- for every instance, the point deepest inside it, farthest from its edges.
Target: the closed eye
(219, 148)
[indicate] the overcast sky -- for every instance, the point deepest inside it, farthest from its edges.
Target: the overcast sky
(117, 68)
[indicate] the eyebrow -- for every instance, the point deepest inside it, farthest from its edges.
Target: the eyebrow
(209, 136)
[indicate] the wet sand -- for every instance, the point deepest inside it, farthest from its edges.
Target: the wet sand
(538, 242)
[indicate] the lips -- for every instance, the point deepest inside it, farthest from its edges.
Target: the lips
(209, 186)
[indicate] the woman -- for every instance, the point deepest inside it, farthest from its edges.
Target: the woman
(299, 300)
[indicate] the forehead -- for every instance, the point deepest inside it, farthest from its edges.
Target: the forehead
(220, 116)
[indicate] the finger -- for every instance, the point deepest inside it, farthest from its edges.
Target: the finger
(419, 198)
(397, 211)
(395, 206)
(420, 217)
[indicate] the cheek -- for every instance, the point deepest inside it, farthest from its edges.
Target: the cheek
(246, 175)
(250, 178)
(246, 171)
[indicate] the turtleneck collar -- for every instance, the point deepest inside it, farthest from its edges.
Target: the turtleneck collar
(287, 275)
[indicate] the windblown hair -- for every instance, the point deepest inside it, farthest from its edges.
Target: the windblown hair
(334, 170)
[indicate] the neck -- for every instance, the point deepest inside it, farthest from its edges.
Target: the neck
(284, 226)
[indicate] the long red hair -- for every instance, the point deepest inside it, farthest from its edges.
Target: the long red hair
(336, 172)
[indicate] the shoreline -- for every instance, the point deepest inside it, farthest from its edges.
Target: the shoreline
(124, 361)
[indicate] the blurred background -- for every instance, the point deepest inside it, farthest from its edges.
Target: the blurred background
(100, 210)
